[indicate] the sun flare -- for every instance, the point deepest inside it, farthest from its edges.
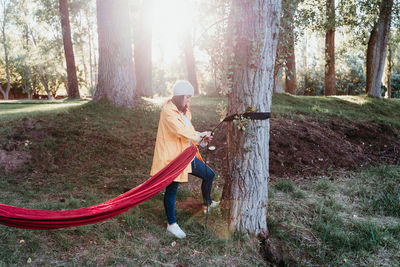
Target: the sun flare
(171, 20)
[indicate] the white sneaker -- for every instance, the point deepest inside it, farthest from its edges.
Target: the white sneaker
(176, 230)
(213, 204)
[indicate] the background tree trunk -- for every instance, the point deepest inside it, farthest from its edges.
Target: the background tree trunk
(116, 81)
(253, 37)
(278, 89)
(376, 51)
(190, 61)
(143, 45)
(330, 75)
(73, 91)
(389, 72)
(6, 58)
(288, 9)
(290, 79)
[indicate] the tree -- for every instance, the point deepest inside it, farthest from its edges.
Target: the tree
(252, 39)
(290, 77)
(73, 91)
(143, 44)
(376, 51)
(330, 75)
(286, 58)
(190, 60)
(319, 15)
(4, 22)
(23, 64)
(389, 68)
(116, 81)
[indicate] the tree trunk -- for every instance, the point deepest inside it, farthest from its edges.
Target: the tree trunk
(45, 84)
(91, 65)
(305, 65)
(143, 47)
(89, 25)
(389, 72)
(116, 78)
(280, 58)
(376, 51)
(288, 9)
(8, 88)
(73, 91)
(278, 89)
(85, 70)
(330, 78)
(290, 80)
(27, 86)
(253, 38)
(190, 61)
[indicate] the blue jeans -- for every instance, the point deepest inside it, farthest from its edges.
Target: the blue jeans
(198, 170)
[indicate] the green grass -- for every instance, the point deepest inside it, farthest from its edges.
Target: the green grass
(16, 109)
(338, 222)
(359, 108)
(84, 153)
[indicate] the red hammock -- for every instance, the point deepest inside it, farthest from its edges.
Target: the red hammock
(47, 219)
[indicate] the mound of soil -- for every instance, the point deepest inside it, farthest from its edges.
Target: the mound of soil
(307, 148)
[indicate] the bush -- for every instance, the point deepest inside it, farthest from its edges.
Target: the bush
(395, 83)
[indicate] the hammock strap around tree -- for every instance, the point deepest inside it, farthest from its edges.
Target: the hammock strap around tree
(47, 219)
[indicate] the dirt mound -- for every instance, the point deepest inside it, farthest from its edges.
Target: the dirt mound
(307, 148)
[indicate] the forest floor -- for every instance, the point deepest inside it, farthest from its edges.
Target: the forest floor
(333, 196)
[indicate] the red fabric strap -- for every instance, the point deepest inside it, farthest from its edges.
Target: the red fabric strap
(47, 219)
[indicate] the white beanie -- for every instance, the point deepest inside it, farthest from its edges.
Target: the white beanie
(183, 88)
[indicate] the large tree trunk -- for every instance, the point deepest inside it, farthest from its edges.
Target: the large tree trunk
(376, 51)
(190, 61)
(330, 78)
(73, 91)
(143, 47)
(116, 81)
(253, 37)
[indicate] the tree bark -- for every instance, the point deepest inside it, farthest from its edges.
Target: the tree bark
(143, 50)
(73, 91)
(376, 51)
(190, 61)
(253, 37)
(116, 81)
(330, 75)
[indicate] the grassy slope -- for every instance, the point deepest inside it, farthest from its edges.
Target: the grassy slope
(86, 154)
(361, 108)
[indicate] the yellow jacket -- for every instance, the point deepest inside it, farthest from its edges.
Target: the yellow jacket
(173, 137)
